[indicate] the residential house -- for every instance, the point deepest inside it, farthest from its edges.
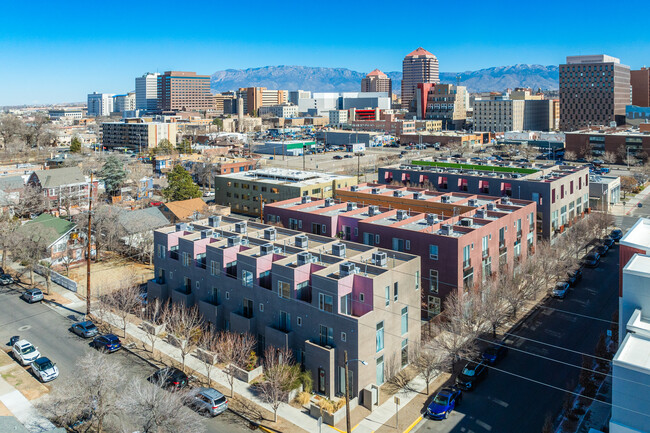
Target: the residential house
(63, 245)
(66, 189)
(192, 209)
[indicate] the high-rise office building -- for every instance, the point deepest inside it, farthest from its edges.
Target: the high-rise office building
(184, 91)
(640, 87)
(257, 97)
(100, 104)
(419, 66)
(377, 81)
(146, 91)
(594, 90)
(124, 102)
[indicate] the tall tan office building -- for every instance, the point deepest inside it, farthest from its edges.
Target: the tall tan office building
(184, 91)
(419, 66)
(257, 97)
(594, 90)
(377, 81)
(641, 87)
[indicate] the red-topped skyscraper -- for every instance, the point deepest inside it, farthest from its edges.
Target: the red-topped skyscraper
(419, 66)
(376, 81)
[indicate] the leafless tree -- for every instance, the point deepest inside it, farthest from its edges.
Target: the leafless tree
(278, 377)
(10, 127)
(602, 221)
(185, 325)
(31, 245)
(512, 291)
(124, 301)
(156, 313)
(623, 154)
(152, 409)
(8, 226)
(493, 305)
(234, 351)
(90, 394)
(107, 232)
(570, 155)
(610, 157)
(32, 201)
(209, 344)
(428, 362)
(628, 184)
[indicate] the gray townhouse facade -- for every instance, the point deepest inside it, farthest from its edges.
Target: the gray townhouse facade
(313, 294)
(560, 191)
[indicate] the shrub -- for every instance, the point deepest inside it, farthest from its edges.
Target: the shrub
(326, 405)
(252, 361)
(303, 398)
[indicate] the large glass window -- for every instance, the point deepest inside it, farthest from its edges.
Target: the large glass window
(433, 252)
(417, 280)
(405, 352)
(284, 289)
(387, 295)
(247, 278)
(325, 302)
(346, 304)
(380, 370)
(379, 337)
(326, 335)
(405, 320)
(433, 280)
(433, 306)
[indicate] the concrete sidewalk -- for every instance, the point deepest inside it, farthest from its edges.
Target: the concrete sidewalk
(631, 203)
(22, 409)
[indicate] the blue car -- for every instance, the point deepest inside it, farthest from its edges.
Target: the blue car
(444, 402)
(495, 353)
(107, 343)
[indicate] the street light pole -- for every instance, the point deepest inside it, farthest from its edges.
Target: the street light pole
(347, 389)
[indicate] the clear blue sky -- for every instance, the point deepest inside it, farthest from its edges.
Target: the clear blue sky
(60, 51)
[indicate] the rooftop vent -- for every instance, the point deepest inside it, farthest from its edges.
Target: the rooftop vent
(417, 195)
(266, 249)
(472, 202)
(373, 210)
(445, 199)
(506, 200)
(304, 257)
(354, 188)
(270, 233)
(234, 240)
(302, 241)
(379, 258)
(481, 213)
(375, 190)
(466, 222)
(214, 221)
(305, 199)
(347, 268)
(432, 218)
(206, 234)
(398, 193)
(351, 206)
(329, 202)
(491, 206)
(181, 227)
(240, 227)
(402, 215)
(446, 229)
(338, 250)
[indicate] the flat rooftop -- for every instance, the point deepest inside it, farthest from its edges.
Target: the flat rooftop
(285, 176)
(638, 265)
(638, 236)
(635, 352)
(493, 168)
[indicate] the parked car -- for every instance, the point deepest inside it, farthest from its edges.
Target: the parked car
(45, 369)
(32, 295)
(591, 260)
(560, 290)
(6, 279)
(25, 352)
(616, 234)
(495, 353)
(444, 402)
(170, 378)
(473, 373)
(337, 157)
(574, 276)
(602, 249)
(347, 155)
(209, 401)
(85, 329)
(609, 241)
(107, 343)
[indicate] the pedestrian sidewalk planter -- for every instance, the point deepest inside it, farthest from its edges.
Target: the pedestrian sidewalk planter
(332, 412)
(152, 329)
(246, 375)
(206, 356)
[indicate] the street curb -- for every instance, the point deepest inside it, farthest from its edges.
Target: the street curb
(416, 422)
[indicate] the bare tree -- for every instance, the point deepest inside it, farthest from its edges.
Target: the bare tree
(184, 325)
(152, 409)
(124, 301)
(428, 362)
(493, 306)
(610, 157)
(32, 201)
(209, 343)
(628, 184)
(156, 314)
(570, 155)
(278, 377)
(512, 292)
(32, 244)
(8, 226)
(234, 351)
(10, 127)
(91, 394)
(602, 221)
(107, 233)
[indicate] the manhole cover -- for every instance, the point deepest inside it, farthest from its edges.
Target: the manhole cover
(24, 328)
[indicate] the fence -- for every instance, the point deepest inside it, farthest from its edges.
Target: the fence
(57, 278)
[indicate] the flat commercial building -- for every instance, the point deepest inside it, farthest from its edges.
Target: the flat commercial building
(320, 103)
(100, 104)
(314, 295)
(624, 143)
(594, 90)
(146, 91)
(125, 102)
(444, 102)
(244, 192)
(338, 117)
(604, 192)
(640, 81)
(137, 136)
(561, 192)
(461, 239)
(499, 115)
(257, 97)
(419, 66)
(184, 91)
(447, 138)
(66, 113)
(377, 81)
(281, 110)
(345, 137)
(388, 123)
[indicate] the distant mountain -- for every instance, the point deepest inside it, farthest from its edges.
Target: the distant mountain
(320, 79)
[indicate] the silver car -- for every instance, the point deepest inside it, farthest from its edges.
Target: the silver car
(32, 295)
(209, 400)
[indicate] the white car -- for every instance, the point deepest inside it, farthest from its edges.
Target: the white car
(45, 369)
(25, 352)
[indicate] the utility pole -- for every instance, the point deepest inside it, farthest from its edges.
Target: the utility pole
(358, 167)
(261, 209)
(90, 215)
(347, 393)
(303, 157)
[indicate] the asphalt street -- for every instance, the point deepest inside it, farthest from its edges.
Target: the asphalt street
(48, 330)
(527, 385)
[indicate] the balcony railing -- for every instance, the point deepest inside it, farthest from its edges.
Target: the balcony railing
(173, 255)
(467, 263)
(502, 247)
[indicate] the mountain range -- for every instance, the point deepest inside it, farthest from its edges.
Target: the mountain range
(320, 79)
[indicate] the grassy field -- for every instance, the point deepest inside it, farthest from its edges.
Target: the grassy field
(476, 167)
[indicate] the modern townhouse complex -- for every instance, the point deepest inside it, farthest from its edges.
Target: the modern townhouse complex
(313, 294)
(461, 238)
(561, 192)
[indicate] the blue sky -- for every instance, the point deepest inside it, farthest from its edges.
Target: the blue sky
(60, 51)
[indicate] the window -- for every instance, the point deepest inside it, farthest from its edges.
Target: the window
(553, 195)
(466, 259)
(405, 320)
(380, 370)
(395, 291)
(379, 336)
(261, 307)
(187, 284)
(468, 279)
(285, 321)
(433, 306)
(405, 352)
(502, 237)
(161, 251)
(361, 297)
(325, 302)
(344, 337)
(345, 303)
(265, 279)
(433, 280)
(227, 295)
(186, 259)
(247, 278)
(484, 246)
(417, 280)
(231, 269)
(433, 252)
(326, 335)
(376, 239)
(284, 290)
(299, 320)
(247, 308)
(407, 244)
(387, 295)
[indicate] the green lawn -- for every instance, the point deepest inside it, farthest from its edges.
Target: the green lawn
(476, 167)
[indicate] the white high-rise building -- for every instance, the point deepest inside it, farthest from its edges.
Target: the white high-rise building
(100, 104)
(122, 103)
(146, 91)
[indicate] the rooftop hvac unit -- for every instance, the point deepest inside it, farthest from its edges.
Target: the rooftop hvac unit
(417, 195)
(432, 218)
(491, 206)
(375, 190)
(354, 188)
(181, 227)
(302, 241)
(373, 210)
(347, 268)
(351, 206)
(266, 249)
(234, 240)
(379, 258)
(447, 229)
(304, 257)
(214, 221)
(473, 202)
(398, 193)
(401, 215)
(305, 199)
(445, 199)
(506, 200)
(240, 227)
(481, 213)
(466, 222)
(270, 233)
(338, 250)
(329, 202)
(206, 234)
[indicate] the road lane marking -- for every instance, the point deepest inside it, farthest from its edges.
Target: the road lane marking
(499, 402)
(486, 426)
